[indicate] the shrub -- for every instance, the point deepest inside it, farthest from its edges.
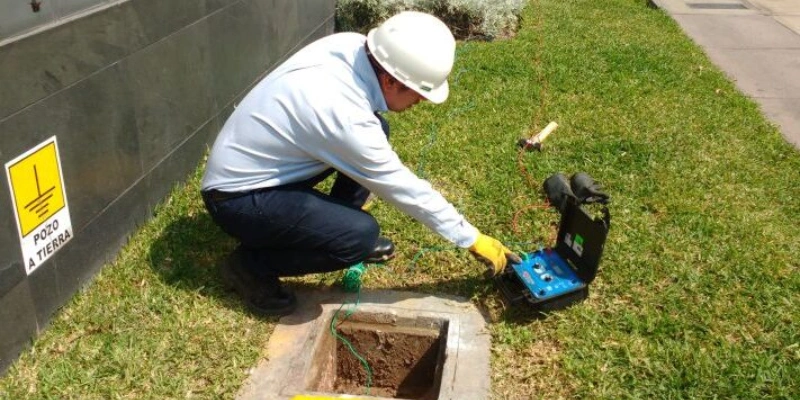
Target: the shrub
(468, 19)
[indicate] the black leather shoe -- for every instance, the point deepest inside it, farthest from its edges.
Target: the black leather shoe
(274, 300)
(264, 296)
(383, 251)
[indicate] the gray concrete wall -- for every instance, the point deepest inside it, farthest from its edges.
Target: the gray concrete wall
(21, 17)
(133, 93)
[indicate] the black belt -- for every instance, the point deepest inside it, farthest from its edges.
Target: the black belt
(216, 195)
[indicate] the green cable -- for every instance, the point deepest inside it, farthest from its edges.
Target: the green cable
(352, 281)
(422, 253)
(432, 137)
(424, 151)
(434, 129)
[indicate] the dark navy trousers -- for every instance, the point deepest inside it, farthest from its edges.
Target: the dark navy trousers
(294, 229)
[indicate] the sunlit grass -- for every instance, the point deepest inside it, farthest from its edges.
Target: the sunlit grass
(697, 296)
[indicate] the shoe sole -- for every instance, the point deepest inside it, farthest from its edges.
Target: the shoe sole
(379, 260)
(271, 312)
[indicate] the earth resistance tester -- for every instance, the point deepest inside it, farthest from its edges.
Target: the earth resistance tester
(556, 277)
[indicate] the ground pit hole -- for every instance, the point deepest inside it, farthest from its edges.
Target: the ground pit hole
(405, 357)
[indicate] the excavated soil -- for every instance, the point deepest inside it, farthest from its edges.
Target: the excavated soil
(403, 364)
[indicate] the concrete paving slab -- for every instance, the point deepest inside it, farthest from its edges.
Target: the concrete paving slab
(786, 114)
(758, 51)
(792, 22)
(738, 32)
(466, 373)
(778, 7)
(761, 73)
(680, 7)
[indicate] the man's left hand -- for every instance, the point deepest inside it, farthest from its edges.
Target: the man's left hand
(493, 253)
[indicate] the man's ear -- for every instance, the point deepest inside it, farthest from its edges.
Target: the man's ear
(388, 81)
(384, 80)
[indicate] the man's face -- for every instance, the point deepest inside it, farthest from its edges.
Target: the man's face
(399, 97)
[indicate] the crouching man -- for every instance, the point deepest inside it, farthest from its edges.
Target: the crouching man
(317, 114)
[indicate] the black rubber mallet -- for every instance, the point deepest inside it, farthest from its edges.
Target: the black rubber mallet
(535, 142)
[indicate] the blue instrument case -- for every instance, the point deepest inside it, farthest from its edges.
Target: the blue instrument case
(553, 278)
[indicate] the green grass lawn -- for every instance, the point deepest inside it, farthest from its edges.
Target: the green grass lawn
(698, 291)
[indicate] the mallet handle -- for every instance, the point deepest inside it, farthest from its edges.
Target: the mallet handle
(541, 136)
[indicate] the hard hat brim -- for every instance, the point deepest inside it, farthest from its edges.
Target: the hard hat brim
(436, 95)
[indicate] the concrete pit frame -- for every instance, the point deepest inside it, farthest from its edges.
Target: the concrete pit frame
(443, 341)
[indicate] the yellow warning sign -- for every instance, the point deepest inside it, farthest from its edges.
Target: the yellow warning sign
(36, 185)
(40, 203)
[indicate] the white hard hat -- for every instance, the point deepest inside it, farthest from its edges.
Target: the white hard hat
(418, 50)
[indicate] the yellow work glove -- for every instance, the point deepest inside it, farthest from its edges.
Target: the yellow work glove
(494, 254)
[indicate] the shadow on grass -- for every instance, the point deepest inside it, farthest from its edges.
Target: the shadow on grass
(189, 249)
(485, 295)
(186, 256)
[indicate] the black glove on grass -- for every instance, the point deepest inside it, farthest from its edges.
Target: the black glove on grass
(587, 190)
(558, 190)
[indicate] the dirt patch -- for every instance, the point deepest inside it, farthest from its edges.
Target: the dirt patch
(404, 363)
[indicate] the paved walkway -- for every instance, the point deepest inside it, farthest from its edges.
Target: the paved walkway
(757, 43)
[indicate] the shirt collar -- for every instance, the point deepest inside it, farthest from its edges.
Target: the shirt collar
(364, 70)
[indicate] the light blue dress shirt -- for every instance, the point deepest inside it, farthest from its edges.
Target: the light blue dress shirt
(316, 111)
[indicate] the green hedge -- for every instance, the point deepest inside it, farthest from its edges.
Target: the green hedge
(468, 19)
